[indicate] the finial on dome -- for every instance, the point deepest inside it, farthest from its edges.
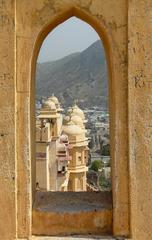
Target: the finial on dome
(75, 102)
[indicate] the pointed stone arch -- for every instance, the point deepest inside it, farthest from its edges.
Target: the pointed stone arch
(25, 101)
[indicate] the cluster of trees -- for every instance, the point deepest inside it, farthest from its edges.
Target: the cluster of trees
(103, 182)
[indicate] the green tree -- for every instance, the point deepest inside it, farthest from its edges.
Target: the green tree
(96, 165)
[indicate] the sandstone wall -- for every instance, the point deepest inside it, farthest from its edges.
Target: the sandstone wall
(7, 121)
(140, 117)
(23, 27)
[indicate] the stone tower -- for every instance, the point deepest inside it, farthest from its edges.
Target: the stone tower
(51, 151)
(75, 129)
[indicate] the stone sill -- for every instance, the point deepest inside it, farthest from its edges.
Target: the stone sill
(66, 213)
(72, 238)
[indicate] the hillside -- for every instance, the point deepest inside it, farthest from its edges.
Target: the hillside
(81, 76)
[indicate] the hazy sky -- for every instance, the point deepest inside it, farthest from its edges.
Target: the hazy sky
(71, 36)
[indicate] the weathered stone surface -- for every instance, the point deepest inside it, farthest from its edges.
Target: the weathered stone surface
(7, 123)
(23, 26)
(140, 117)
(33, 22)
(72, 238)
(72, 213)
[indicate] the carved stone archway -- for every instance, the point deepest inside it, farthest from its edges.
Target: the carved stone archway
(29, 41)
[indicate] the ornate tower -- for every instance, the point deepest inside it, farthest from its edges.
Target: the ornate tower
(75, 129)
(51, 148)
(48, 129)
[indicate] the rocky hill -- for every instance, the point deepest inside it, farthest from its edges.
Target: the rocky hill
(81, 76)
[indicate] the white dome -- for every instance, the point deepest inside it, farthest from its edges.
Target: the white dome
(54, 99)
(75, 110)
(49, 105)
(72, 129)
(77, 120)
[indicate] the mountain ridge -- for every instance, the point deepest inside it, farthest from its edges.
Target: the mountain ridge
(80, 75)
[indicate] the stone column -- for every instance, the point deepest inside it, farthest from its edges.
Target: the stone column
(140, 117)
(52, 166)
(7, 124)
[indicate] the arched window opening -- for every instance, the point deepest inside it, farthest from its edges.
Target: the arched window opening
(72, 113)
(72, 134)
